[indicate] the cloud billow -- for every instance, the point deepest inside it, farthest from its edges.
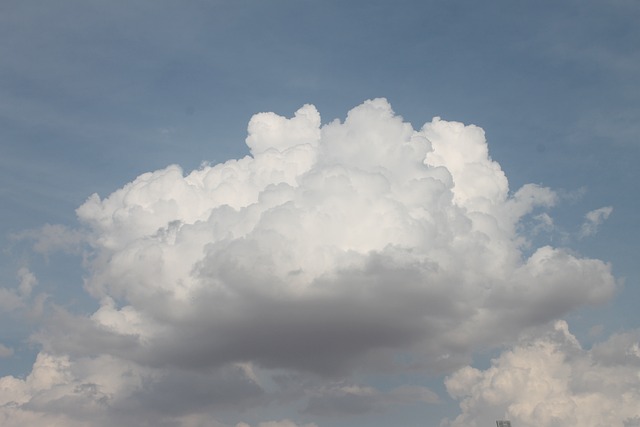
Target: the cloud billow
(549, 379)
(328, 245)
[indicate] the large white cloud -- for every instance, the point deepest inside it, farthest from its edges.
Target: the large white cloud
(325, 244)
(550, 380)
(326, 248)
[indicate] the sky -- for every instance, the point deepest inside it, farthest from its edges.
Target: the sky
(304, 213)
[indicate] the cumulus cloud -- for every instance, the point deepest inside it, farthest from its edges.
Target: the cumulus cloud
(329, 242)
(550, 380)
(593, 220)
(328, 247)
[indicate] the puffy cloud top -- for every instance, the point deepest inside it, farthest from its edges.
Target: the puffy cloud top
(268, 131)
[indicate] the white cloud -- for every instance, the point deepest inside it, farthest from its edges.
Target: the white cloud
(550, 380)
(321, 220)
(330, 246)
(593, 220)
(269, 131)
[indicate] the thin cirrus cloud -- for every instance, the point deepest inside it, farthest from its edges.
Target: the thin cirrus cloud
(328, 248)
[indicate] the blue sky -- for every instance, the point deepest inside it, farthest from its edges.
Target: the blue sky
(94, 94)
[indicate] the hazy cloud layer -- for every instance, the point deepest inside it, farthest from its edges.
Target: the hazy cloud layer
(328, 249)
(550, 380)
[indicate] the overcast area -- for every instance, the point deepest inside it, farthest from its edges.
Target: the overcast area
(315, 214)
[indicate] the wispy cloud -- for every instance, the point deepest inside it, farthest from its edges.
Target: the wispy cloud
(593, 220)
